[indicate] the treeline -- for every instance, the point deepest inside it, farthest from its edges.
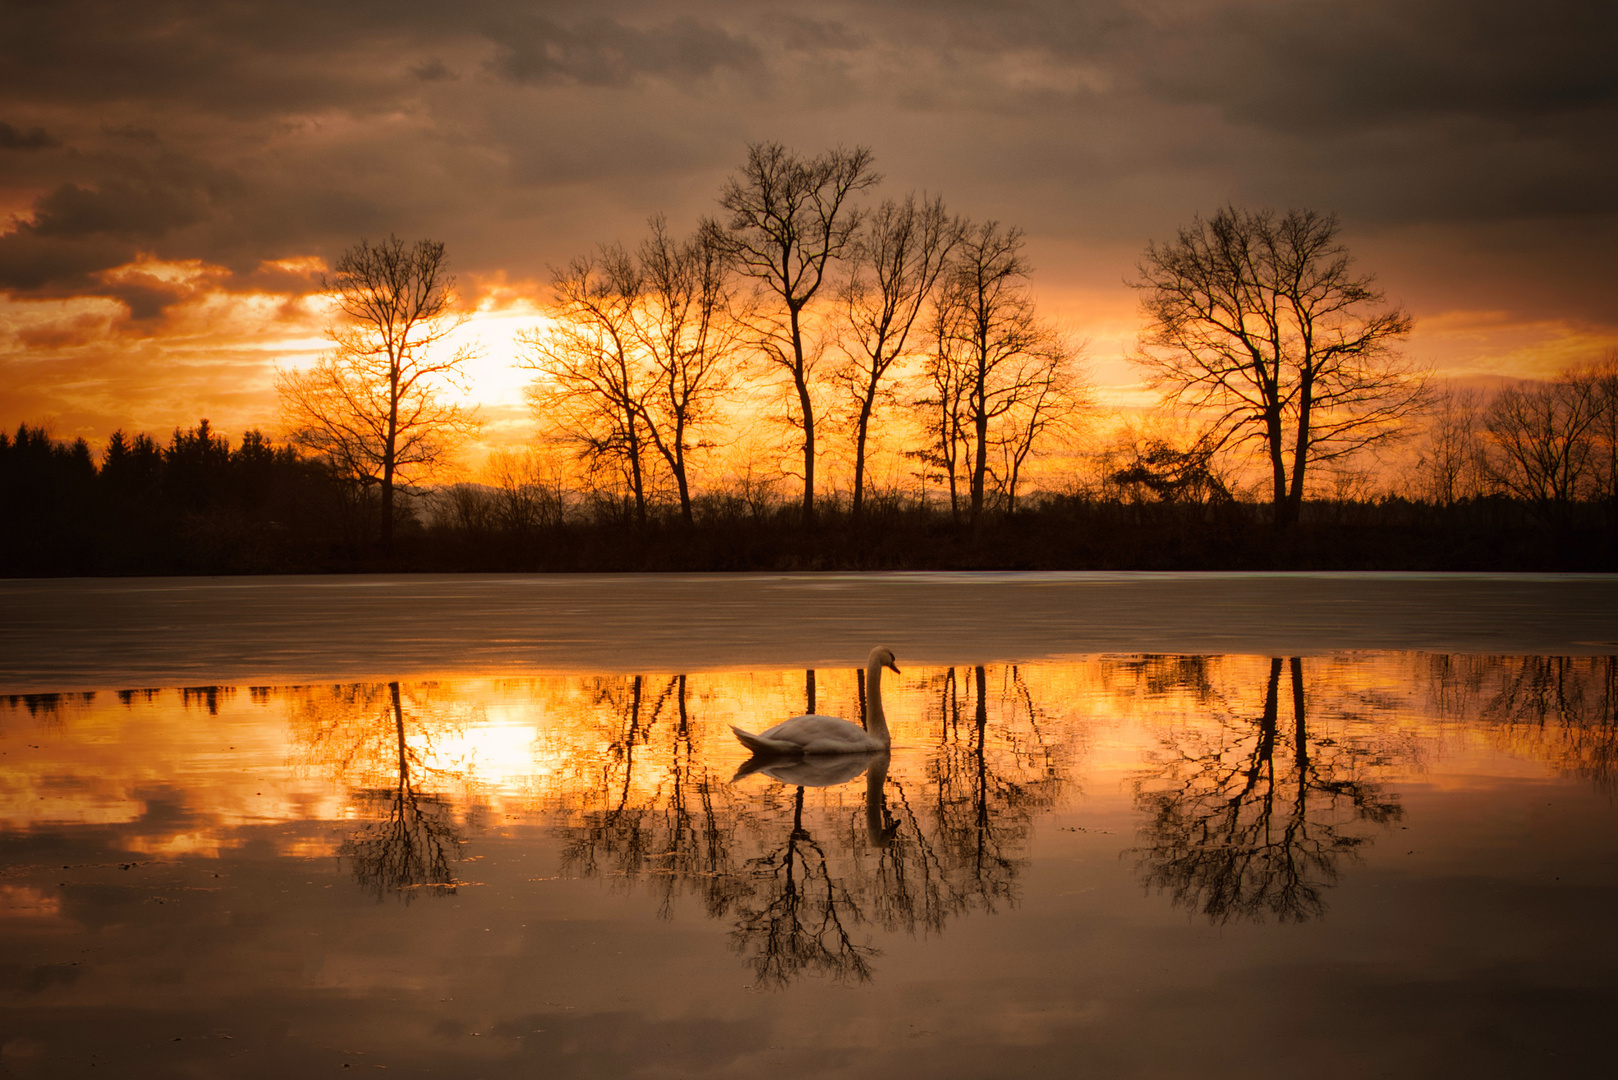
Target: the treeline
(198, 504)
(194, 505)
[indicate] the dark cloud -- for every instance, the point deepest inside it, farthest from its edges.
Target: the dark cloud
(433, 71)
(35, 138)
(604, 52)
(32, 264)
(517, 130)
(1312, 67)
(817, 35)
(118, 208)
(132, 196)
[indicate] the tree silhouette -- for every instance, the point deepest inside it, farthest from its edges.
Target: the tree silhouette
(1253, 819)
(414, 837)
(797, 877)
(1000, 378)
(1261, 325)
(1562, 709)
(789, 220)
(1543, 437)
(898, 258)
(378, 740)
(679, 835)
(373, 405)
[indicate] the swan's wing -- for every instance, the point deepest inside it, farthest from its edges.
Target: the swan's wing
(811, 728)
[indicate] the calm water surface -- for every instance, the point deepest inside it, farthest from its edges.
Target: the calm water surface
(1356, 864)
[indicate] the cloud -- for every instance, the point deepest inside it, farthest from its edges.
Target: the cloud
(1319, 67)
(523, 132)
(35, 138)
(604, 52)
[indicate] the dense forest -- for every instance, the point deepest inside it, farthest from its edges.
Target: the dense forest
(808, 383)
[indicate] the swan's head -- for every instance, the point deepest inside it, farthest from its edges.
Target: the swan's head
(883, 656)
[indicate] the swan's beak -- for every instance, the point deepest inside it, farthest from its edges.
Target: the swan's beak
(891, 666)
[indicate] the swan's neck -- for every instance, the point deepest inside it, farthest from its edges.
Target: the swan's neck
(876, 722)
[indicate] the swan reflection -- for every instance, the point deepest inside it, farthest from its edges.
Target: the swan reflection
(799, 915)
(803, 863)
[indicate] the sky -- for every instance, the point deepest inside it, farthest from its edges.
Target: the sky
(175, 175)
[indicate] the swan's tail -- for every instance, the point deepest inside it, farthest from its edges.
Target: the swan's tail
(760, 745)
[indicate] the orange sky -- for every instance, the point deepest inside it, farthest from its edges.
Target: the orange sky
(171, 184)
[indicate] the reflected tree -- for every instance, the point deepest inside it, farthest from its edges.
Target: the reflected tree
(988, 782)
(413, 837)
(1562, 709)
(379, 740)
(796, 917)
(659, 814)
(1252, 819)
(798, 868)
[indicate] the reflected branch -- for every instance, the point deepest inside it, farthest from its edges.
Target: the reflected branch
(412, 845)
(1238, 829)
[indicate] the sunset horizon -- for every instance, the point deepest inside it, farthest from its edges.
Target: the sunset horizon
(168, 218)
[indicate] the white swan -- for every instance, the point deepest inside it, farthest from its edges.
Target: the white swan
(830, 734)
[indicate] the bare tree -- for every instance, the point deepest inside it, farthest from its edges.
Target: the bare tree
(372, 404)
(1169, 470)
(898, 258)
(1605, 374)
(1452, 466)
(789, 219)
(687, 326)
(1262, 324)
(1543, 439)
(1000, 376)
(527, 497)
(593, 382)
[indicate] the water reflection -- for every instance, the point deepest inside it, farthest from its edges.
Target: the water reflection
(189, 879)
(383, 751)
(1256, 783)
(412, 838)
(801, 878)
(1249, 817)
(797, 913)
(1559, 709)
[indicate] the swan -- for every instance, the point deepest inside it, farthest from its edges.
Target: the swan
(830, 734)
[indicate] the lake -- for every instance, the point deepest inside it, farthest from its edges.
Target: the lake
(1131, 825)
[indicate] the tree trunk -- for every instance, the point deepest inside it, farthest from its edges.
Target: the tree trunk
(1300, 452)
(1278, 466)
(808, 451)
(800, 380)
(678, 465)
(389, 451)
(860, 431)
(980, 431)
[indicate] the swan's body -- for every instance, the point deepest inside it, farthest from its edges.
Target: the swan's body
(830, 734)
